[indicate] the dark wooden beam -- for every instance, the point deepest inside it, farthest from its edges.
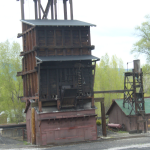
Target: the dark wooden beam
(22, 9)
(99, 99)
(35, 7)
(24, 99)
(39, 8)
(21, 34)
(47, 9)
(27, 72)
(52, 10)
(112, 91)
(71, 9)
(65, 9)
(103, 118)
(55, 4)
(42, 10)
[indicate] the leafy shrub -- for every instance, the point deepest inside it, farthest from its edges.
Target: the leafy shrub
(98, 122)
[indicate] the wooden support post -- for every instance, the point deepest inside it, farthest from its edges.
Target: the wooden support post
(58, 104)
(39, 92)
(40, 106)
(65, 9)
(101, 100)
(52, 10)
(135, 100)
(92, 102)
(45, 13)
(71, 9)
(55, 4)
(33, 126)
(22, 9)
(103, 118)
(39, 6)
(94, 73)
(35, 7)
(141, 77)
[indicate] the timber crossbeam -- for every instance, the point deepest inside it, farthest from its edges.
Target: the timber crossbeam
(24, 73)
(112, 91)
(24, 99)
(21, 34)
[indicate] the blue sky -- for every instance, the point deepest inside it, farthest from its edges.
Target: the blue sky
(115, 20)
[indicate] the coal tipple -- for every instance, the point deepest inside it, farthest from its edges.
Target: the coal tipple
(58, 76)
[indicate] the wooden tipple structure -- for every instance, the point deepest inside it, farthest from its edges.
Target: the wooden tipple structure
(58, 76)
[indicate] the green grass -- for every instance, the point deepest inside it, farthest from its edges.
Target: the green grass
(26, 143)
(122, 132)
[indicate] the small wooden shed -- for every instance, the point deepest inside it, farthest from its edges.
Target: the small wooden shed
(120, 115)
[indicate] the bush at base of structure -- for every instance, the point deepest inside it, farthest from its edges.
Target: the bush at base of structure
(98, 122)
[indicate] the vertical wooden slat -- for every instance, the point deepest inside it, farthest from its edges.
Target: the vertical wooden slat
(26, 42)
(29, 85)
(36, 36)
(25, 84)
(32, 61)
(80, 38)
(54, 37)
(45, 35)
(48, 83)
(33, 126)
(89, 36)
(32, 39)
(39, 89)
(23, 77)
(31, 80)
(36, 82)
(57, 79)
(71, 38)
(63, 38)
(40, 106)
(33, 86)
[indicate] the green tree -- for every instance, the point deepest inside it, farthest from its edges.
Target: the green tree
(146, 79)
(142, 46)
(109, 76)
(11, 87)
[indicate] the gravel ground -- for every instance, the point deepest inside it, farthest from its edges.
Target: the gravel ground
(99, 132)
(7, 143)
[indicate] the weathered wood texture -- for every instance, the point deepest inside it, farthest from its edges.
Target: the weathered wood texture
(67, 77)
(55, 37)
(117, 116)
(71, 128)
